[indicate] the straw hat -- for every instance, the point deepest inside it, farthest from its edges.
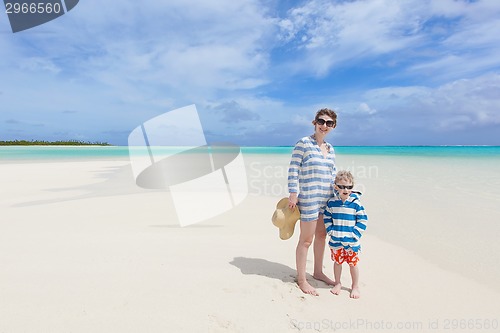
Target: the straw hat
(285, 219)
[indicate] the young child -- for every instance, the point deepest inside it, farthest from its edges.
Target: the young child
(345, 220)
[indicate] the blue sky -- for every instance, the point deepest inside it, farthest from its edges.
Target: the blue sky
(413, 72)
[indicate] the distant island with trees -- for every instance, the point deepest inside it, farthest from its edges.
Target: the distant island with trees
(52, 143)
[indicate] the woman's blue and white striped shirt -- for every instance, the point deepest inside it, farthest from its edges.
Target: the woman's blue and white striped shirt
(311, 174)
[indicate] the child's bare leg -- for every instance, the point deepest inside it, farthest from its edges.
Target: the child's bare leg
(355, 282)
(337, 272)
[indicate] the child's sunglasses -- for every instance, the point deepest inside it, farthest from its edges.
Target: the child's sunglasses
(345, 187)
(329, 123)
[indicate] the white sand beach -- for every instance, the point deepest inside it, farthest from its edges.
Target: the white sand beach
(83, 249)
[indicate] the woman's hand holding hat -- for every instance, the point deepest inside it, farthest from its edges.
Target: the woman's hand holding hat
(292, 200)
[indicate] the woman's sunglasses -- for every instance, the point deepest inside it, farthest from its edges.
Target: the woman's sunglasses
(329, 123)
(345, 187)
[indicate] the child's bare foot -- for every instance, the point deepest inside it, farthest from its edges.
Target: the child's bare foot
(322, 277)
(307, 288)
(336, 289)
(355, 292)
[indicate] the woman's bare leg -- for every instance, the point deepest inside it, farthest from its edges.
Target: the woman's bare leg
(307, 230)
(319, 252)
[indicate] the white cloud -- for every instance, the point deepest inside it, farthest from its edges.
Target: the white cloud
(233, 112)
(124, 62)
(209, 45)
(330, 34)
(336, 32)
(38, 64)
(465, 103)
(183, 46)
(365, 108)
(471, 44)
(302, 120)
(390, 96)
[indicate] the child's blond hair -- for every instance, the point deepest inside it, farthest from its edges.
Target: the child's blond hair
(345, 175)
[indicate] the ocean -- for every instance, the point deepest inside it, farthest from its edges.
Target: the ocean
(13, 153)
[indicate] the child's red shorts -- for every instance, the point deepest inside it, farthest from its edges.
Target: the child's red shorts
(342, 255)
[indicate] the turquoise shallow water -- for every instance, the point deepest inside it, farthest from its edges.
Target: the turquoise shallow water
(438, 151)
(119, 152)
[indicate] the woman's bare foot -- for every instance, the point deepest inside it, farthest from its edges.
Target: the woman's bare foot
(336, 289)
(307, 288)
(322, 277)
(355, 292)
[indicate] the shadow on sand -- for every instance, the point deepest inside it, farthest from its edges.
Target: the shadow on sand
(256, 266)
(116, 181)
(274, 270)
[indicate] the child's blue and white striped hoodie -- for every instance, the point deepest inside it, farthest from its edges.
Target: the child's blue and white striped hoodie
(345, 222)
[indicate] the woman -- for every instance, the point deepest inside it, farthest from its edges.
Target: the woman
(310, 183)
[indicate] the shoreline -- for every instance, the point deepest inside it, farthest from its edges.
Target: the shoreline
(38, 152)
